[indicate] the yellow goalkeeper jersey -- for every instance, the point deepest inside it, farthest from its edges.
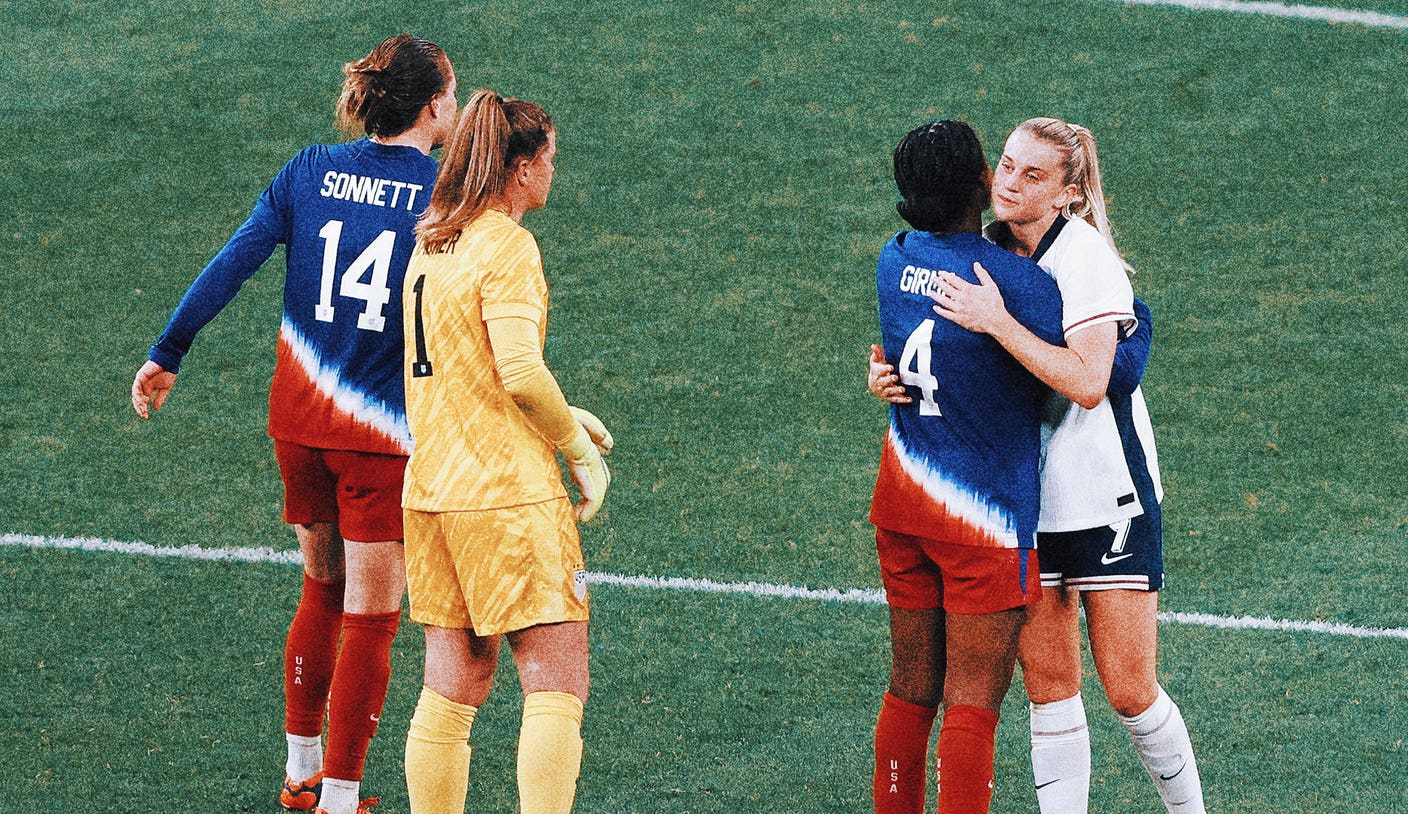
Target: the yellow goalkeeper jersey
(473, 447)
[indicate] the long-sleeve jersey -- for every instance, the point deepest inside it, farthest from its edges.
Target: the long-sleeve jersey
(960, 462)
(346, 215)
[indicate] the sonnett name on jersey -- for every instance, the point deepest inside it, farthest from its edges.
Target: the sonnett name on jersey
(364, 189)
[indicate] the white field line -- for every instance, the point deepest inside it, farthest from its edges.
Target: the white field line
(861, 596)
(1328, 14)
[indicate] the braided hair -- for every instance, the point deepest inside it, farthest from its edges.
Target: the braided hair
(385, 91)
(940, 171)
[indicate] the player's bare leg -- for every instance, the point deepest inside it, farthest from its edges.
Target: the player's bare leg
(460, 665)
(552, 667)
(1049, 651)
(1049, 647)
(917, 655)
(376, 576)
(982, 653)
(321, 547)
(1124, 629)
(908, 709)
(552, 658)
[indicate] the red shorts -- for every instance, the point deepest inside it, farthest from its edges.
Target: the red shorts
(923, 574)
(359, 491)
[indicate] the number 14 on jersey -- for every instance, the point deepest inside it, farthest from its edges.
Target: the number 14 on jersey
(374, 292)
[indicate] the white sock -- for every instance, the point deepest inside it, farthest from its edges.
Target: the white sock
(1061, 756)
(1161, 738)
(340, 796)
(305, 757)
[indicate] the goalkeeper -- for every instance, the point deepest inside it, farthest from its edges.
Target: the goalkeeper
(492, 547)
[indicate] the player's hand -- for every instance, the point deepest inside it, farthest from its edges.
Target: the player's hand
(979, 308)
(151, 387)
(882, 380)
(589, 472)
(600, 436)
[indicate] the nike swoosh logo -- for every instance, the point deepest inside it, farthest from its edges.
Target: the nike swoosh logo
(1041, 786)
(1106, 559)
(1181, 767)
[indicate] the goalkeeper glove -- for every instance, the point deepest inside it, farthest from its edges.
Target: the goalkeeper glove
(601, 436)
(589, 472)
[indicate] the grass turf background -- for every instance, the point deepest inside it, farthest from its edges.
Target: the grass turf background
(722, 193)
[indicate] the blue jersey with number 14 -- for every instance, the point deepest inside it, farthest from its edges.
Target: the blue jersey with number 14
(346, 215)
(961, 461)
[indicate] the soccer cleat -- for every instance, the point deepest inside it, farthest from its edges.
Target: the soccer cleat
(364, 807)
(301, 796)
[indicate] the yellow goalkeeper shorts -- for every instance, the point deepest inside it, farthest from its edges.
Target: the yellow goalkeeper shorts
(498, 570)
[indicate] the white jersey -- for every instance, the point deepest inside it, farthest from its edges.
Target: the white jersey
(1087, 477)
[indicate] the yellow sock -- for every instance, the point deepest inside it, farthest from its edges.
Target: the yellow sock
(437, 754)
(549, 752)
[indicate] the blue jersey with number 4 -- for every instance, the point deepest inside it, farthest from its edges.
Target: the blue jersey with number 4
(961, 461)
(346, 215)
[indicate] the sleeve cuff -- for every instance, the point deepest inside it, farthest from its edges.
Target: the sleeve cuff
(170, 361)
(577, 448)
(499, 310)
(1123, 317)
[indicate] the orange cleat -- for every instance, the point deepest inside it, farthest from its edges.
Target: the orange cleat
(301, 796)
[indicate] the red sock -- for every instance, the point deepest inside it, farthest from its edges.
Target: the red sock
(901, 752)
(309, 655)
(965, 760)
(358, 691)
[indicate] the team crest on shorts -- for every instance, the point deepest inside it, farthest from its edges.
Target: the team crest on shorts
(579, 584)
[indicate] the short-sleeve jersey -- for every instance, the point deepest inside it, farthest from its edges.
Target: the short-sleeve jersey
(960, 462)
(474, 447)
(1100, 461)
(346, 215)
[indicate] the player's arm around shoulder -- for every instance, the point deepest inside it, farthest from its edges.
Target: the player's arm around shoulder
(1132, 352)
(1079, 370)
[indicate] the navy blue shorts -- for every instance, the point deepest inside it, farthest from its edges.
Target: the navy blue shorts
(1128, 554)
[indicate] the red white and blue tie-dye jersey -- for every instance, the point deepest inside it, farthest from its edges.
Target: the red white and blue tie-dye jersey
(346, 215)
(961, 461)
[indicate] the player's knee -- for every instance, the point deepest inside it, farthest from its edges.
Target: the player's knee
(916, 680)
(922, 693)
(324, 571)
(376, 584)
(1130, 697)
(1050, 679)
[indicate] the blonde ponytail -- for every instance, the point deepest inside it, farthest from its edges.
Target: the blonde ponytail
(492, 133)
(1082, 165)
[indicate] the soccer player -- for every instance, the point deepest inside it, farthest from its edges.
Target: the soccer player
(492, 548)
(346, 215)
(956, 500)
(1100, 533)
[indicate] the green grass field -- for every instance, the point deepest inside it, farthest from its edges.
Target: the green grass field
(723, 190)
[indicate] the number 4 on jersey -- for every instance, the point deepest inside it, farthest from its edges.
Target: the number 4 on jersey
(916, 365)
(375, 293)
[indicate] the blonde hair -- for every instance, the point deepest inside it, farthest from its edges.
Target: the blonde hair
(493, 133)
(1082, 166)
